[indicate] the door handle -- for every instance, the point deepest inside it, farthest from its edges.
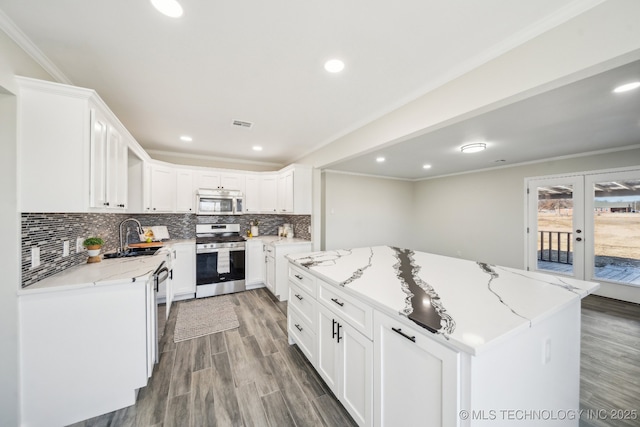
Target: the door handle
(399, 331)
(333, 328)
(339, 326)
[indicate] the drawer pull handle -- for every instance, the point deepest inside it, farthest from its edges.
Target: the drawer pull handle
(299, 277)
(413, 338)
(299, 328)
(299, 297)
(341, 304)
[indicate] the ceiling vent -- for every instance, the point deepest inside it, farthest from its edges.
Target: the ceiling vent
(242, 124)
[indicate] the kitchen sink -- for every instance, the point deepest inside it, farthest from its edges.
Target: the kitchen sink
(131, 253)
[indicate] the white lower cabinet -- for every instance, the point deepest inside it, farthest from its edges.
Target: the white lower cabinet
(254, 263)
(416, 378)
(84, 351)
(278, 266)
(345, 362)
(183, 266)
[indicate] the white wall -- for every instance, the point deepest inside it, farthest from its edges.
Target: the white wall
(364, 211)
(480, 216)
(13, 60)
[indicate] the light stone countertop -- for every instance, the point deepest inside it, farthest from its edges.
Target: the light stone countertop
(469, 305)
(277, 240)
(105, 272)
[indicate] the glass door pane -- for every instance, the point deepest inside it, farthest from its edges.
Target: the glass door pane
(555, 226)
(616, 227)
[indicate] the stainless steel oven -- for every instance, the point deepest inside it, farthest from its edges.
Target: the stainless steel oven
(220, 259)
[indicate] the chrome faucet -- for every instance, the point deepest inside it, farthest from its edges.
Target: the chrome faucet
(140, 231)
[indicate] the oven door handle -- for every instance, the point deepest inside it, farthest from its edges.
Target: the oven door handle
(159, 276)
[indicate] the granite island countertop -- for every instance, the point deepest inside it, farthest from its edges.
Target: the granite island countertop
(471, 305)
(105, 272)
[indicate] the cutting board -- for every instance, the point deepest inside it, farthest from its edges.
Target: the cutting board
(146, 245)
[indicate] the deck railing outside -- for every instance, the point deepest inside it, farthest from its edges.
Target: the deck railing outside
(555, 246)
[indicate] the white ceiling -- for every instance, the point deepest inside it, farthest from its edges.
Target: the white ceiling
(581, 117)
(262, 62)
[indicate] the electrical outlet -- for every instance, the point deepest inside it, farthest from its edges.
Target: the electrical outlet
(79, 241)
(35, 257)
(65, 248)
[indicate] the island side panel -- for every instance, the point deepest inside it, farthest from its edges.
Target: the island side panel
(536, 373)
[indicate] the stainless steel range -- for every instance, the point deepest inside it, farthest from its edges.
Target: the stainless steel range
(220, 259)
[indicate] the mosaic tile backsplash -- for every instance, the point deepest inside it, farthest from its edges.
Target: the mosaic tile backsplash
(48, 231)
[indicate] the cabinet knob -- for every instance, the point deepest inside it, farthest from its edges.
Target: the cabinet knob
(106, 203)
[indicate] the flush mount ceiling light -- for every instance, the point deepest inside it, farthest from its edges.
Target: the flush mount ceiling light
(257, 148)
(380, 159)
(474, 147)
(334, 65)
(427, 166)
(627, 87)
(170, 8)
(186, 138)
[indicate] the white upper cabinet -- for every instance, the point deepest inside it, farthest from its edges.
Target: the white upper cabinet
(163, 189)
(294, 190)
(252, 194)
(221, 180)
(185, 191)
(69, 132)
(269, 193)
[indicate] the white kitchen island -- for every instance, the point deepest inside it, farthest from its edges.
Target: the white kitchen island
(416, 339)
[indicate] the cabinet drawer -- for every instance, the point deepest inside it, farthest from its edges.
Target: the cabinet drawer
(357, 313)
(304, 279)
(302, 301)
(302, 334)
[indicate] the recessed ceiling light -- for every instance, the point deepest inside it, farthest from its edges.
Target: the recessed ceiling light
(473, 148)
(257, 148)
(380, 159)
(186, 138)
(171, 8)
(627, 87)
(334, 65)
(427, 166)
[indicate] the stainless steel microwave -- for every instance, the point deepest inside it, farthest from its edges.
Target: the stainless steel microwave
(219, 202)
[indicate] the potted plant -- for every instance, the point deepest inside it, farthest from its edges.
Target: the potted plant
(254, 228)
(93, 245)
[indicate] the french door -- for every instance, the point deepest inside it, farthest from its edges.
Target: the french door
(586, 226)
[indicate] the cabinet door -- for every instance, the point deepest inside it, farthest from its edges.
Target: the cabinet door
(184, 268)
(285, 192)
(116, 170)
(328, 358)
(163, 189)
(356, 389)
(252, 194)
(99, 131)
(254, 262)
(185, 193)
(416, 378)
(271, 273)
(208, 179)
(268, 193)
(232, 181)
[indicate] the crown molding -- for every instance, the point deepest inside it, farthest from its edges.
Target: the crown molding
(25, 43)
(212, 158)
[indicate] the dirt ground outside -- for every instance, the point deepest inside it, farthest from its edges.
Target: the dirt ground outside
(616, 234)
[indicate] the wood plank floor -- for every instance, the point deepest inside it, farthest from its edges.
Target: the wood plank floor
(610, 361)
(250, 376)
